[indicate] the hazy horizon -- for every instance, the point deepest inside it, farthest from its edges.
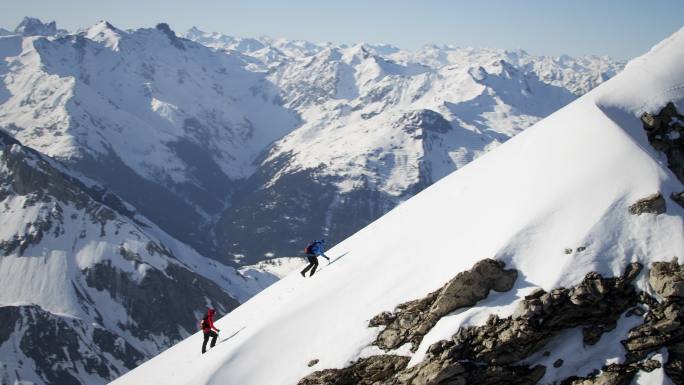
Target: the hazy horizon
(619, 29)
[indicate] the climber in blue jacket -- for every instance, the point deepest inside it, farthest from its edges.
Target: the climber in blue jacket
(312, 251)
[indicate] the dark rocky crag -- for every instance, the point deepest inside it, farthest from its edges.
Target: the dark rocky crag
(365, 371)
(663, 326)
(56, 346)
(595, 304)
(614, 374)
(491, 353)
(412, 320)
(653, 204)
(665, 132)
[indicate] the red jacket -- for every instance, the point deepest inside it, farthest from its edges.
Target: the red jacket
(208, 323)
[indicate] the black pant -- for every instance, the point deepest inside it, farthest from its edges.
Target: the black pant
(313, 264)
(213, 336)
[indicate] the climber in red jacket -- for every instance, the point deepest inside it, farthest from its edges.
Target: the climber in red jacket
(208, 329)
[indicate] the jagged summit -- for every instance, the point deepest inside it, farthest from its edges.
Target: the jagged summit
(105, 33)
(30, 26)
(553, 203)
(170, 34)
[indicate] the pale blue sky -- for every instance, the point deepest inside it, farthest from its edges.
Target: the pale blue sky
(618, 28)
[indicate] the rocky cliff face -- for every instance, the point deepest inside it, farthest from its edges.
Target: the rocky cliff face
(53, 349)
(494, 353)
(665, 132)
(412, 320)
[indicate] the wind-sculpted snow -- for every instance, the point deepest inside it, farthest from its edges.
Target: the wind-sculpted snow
(552, 203)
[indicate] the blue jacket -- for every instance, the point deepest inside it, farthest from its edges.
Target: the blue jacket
(317, 248)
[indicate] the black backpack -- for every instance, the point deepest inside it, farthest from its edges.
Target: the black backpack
(204, 324)
(310, 247)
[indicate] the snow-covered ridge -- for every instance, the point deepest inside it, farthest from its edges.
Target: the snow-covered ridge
(567, 182)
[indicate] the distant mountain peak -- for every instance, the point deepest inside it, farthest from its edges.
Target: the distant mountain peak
(31, 26)
(175, 41)
(104, 32)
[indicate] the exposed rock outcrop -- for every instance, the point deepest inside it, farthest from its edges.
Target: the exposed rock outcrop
(596, 302)
(652, 204)
(366, 371)
(30, 26)
(412, 320)
(678, 198)
(614, 374)
(426, 120)
(666, 133)
(446, 372)
(175, 40)
(667, 279)
(61, 347)
(491, 353)
(662, 327)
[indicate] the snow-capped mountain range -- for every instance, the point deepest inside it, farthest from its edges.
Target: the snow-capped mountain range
(202, 140)
(554, 258)
(379, 124)
(167, 123)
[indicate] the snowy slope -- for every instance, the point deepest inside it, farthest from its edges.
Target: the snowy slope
(90, 288)
(563, 183)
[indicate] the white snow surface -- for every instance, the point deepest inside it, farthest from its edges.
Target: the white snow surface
(274, 267)
(565, 182)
